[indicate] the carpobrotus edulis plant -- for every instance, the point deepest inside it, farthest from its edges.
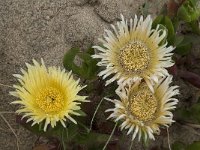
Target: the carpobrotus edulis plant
(47, 94)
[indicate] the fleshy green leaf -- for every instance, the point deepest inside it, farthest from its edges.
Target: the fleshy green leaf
(88, 68)
(157, 21)
(178, 40)
(191, 114)
(195, 26)
(71, 132)
(186, 43)
(166, 24)
(178, 146)
(169, 25)
(189, 11)
(182, 146)
(93, 139)
(183, 14)
(193, 146)
(183, 49)
(68, 61)
(192, 38)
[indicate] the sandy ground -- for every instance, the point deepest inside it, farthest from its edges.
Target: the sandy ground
(47, 29)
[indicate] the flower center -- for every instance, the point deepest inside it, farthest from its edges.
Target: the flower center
(143, 104)
(50, 100)
(134, 57)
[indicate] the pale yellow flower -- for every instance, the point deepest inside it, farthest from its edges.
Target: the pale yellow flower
(47, 94)
(141, 111)
(133, 50)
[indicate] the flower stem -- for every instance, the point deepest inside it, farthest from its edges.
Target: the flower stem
(110, 136)
(131, 145)
(168, 140)
(95, 114)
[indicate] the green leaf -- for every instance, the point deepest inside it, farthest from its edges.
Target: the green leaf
(169, 25)
(195, 27)
(189, 11)
(178, 40)
(92, 139)
(157, 21)
(186, 43)
(88, 68)
(165, 24)
(176, 23)
(183, 14)
(191, 114)
(192, 38)
(193, 146)
(71, 131)
(178, 146)
(86, 129)
(181, 146)
(183, 48)
(195, 112)
(68, 61)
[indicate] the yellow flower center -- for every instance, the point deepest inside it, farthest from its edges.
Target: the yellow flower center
(143, 104)
(50, 100)
(134, 57)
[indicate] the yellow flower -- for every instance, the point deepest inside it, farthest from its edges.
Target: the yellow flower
(133, 50)
(47, 94)
(142, 111)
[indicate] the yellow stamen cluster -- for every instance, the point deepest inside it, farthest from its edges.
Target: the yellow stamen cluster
(134, 57)
(143, 104)
(50, 100)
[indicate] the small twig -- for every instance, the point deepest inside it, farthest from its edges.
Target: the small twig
(95, 114)
(110, 136)
(189, 126)
(6, 85)
(7, 112)
(191, 129)
(3, 129)
(190, 77)
(11, 130)
(168, 140)
(193, 125)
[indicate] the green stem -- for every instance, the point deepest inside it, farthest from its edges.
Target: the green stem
(131, 145)
(95, 114)
(168, 140)
(62, 139)
(110, 136)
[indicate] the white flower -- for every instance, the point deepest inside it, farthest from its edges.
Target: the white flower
(141, 111)
(134, 50)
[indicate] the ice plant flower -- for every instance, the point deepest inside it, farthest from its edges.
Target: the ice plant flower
(141, 111)
(134, 50)
(47, 94)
